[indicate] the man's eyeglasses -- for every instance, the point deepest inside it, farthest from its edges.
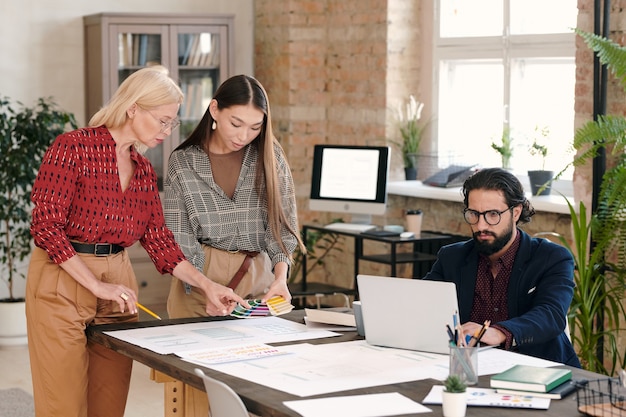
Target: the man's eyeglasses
(492, 217)
(172, 124)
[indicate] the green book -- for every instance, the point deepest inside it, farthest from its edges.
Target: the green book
(531, 378)
(557, 393)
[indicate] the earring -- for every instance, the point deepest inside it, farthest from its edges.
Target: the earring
(214, 125)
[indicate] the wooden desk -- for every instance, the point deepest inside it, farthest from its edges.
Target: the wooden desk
(266, 401)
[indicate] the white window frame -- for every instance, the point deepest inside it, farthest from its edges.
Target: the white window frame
(544, 45)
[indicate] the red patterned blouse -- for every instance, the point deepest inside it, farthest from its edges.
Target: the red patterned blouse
(78, 196)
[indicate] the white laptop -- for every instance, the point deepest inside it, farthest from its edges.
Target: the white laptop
(407, 313)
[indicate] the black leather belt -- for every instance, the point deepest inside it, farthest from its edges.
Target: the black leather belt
(98, 249)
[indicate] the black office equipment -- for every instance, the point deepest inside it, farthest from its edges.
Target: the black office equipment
(452, 176)
(379, 232)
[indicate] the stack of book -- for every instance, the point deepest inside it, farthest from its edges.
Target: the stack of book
(553, 383)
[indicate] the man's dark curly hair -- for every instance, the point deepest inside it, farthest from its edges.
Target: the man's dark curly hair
(499, 179)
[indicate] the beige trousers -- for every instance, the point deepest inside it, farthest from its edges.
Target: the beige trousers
(72, 377)
(220, 266)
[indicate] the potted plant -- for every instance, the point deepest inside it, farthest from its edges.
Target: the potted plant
(454, 397)
(319, 245)
(540, 179)
(408, 117)
(600, 241)
(598, 290)
(25, 134)
(505, 148)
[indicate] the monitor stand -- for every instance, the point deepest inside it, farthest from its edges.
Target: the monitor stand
(360, 223)
(364, 219)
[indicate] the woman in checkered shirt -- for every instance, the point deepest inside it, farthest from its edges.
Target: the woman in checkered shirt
(230, 200)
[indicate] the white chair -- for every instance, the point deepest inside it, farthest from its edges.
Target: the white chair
(223, 401)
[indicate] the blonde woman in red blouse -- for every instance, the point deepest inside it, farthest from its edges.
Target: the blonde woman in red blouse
(95, 195)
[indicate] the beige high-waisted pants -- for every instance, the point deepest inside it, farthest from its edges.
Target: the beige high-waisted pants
(71, 377)
(220, 266)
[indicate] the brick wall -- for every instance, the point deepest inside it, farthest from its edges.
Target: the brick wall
(334, 75)
(335, 71)
(616, 98)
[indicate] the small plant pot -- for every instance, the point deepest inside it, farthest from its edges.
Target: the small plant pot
(540, 182)
(454, 404)
(410, 173)
(13, 324)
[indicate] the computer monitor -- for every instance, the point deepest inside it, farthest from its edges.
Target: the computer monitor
(350, 180)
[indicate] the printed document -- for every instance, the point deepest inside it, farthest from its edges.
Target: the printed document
(178, 338)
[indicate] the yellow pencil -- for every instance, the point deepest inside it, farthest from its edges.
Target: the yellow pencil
(153, 314)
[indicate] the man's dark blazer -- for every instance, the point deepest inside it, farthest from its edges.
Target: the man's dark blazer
(540, 291)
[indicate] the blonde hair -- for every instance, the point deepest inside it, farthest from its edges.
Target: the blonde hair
(148, 87)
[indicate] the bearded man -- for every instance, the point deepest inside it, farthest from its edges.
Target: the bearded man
(522, 285)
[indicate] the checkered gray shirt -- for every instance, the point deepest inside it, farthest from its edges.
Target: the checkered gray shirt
(198, 211)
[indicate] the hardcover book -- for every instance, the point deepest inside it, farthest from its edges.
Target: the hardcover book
(557, 393)
(531, 378)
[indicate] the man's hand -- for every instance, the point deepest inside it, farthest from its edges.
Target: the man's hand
(491, 337)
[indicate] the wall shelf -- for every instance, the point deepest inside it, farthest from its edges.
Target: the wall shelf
(554, 203)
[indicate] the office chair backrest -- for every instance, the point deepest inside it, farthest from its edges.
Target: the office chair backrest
(223, 401)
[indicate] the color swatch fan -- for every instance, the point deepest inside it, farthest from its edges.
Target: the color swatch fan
(274, 306)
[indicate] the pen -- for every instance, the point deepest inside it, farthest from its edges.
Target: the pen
(450, 334)
(460, 336)
(472, 341)
(479, 333)
(483, 330)
(147, 310)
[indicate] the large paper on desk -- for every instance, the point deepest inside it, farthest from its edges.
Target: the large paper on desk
(319, 369)
(179, 338)
(333, 367)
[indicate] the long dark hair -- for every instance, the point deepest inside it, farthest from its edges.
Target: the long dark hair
(241, 90)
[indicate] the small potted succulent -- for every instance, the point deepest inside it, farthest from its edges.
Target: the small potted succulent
(454, 397)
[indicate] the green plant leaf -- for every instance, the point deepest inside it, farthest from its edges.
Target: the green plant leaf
(25, 134)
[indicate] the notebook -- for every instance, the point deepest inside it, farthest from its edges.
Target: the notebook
(407, 313)
(531, 378)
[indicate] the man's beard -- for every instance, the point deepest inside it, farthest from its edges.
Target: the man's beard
(489, 248)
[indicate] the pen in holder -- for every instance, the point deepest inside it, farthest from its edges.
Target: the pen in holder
(464, 362)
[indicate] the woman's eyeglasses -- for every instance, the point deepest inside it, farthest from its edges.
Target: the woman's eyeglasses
(492, 217)
(172, 124)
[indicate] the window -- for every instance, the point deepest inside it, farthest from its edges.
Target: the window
(504, 64)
